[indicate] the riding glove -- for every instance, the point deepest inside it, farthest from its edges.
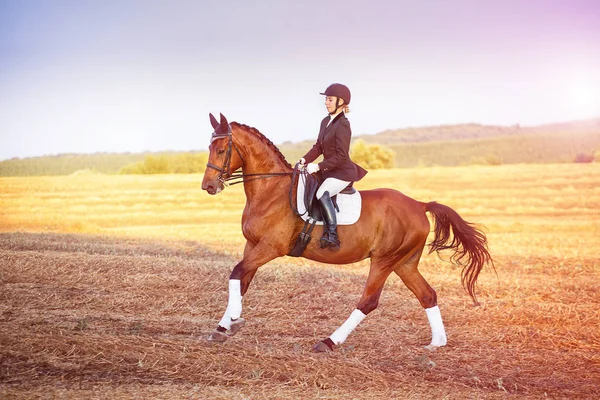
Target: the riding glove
(312, 168)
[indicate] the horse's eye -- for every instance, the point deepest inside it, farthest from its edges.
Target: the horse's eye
(220, 151)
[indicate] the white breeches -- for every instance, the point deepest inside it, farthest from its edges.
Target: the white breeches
(331, 185)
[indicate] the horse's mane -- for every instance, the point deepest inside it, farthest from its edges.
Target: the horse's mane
(264, 139)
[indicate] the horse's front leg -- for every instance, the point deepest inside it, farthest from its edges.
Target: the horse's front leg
(239, 281)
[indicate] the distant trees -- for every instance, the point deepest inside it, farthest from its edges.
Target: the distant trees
(106, 163)
(185, 163)
(584, 157)
(150, 165)
(65, 164)
(414, 148)
(490, 159)
(188, 163)
(372, 156)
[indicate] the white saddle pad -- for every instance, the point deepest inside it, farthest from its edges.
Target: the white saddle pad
(350, 206)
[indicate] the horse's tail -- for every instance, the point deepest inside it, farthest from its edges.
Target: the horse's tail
(468, 242)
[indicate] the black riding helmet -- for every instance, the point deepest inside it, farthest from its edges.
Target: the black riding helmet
(340, 91)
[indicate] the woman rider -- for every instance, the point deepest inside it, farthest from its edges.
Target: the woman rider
(337, 168)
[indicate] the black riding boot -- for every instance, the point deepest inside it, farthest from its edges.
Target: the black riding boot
(330, 237)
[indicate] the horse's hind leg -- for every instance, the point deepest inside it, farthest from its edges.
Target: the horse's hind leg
(413, 279)
(378, 273)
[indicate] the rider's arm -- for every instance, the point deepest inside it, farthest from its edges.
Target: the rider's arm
(313, 153)
(316, 150)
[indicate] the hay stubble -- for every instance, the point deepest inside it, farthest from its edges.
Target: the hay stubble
(120, 307)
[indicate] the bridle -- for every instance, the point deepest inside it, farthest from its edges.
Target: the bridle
(225, 173)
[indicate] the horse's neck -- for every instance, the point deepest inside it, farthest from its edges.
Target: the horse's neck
(268, 194)
(260, 158)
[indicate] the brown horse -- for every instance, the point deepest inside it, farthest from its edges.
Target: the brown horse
(392, 231)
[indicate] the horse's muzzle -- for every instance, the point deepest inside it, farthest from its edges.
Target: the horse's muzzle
(209, 187)
(212, 187)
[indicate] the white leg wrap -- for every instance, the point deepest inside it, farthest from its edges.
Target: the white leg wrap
(235, 298)
(438, 333)
(226, 320)
(341, 334)
(234, 305)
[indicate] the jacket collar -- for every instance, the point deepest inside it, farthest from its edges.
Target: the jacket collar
(337, 117)
(333, 122)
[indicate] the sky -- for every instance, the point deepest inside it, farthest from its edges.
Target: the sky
(142, 75)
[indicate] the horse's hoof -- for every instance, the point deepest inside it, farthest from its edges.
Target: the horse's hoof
(323, 347)
(433, 347)
(217, 336)
(438, 341)
(236, 325)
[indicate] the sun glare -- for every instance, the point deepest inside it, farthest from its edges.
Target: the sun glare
(584, 98)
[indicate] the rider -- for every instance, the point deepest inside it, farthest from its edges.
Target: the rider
(337, 168)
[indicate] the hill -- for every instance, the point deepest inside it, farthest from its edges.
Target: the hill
(532, 147)
(453, 145)
(447, 145)
(475, 131)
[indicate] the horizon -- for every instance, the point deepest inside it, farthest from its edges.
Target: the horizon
(141, 76)
(200, 150)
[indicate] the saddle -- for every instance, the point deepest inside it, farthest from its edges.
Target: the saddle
(348, 204)
(312, 184)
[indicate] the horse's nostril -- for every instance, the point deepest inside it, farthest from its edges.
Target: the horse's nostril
(210, 188)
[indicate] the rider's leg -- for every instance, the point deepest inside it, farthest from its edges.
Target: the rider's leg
(330, 238)
(330, 187)
(333, 186)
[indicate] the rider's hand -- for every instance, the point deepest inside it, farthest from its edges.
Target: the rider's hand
(312, 168)
(302, 162)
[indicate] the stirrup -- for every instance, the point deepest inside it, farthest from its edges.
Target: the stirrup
(326, 242)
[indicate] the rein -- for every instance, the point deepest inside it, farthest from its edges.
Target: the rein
(225, 174)
(296, 175)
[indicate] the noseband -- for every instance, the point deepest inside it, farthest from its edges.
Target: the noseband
(225, 174)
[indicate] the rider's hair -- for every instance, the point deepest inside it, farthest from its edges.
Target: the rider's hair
(346, 109)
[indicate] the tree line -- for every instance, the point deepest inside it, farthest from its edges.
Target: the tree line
(538, 147)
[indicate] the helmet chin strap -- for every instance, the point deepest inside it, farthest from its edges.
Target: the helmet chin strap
(337, 106)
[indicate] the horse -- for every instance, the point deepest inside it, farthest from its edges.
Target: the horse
(392, 231)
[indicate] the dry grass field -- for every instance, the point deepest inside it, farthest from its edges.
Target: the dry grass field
(110, 284)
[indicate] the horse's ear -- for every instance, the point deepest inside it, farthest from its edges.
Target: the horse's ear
(213, 121)
(224, 123)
